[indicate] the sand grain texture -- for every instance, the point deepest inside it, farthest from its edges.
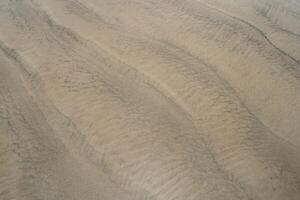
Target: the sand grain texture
(149, 100)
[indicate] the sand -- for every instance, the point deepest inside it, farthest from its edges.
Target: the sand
(149, 100)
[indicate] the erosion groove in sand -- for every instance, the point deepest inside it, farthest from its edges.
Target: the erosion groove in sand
(157, 99)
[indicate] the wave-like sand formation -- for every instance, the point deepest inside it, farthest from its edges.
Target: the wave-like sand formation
(156, 100)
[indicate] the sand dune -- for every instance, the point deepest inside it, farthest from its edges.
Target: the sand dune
(156, 99)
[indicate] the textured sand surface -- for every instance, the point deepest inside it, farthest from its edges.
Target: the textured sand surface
(149, 100)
